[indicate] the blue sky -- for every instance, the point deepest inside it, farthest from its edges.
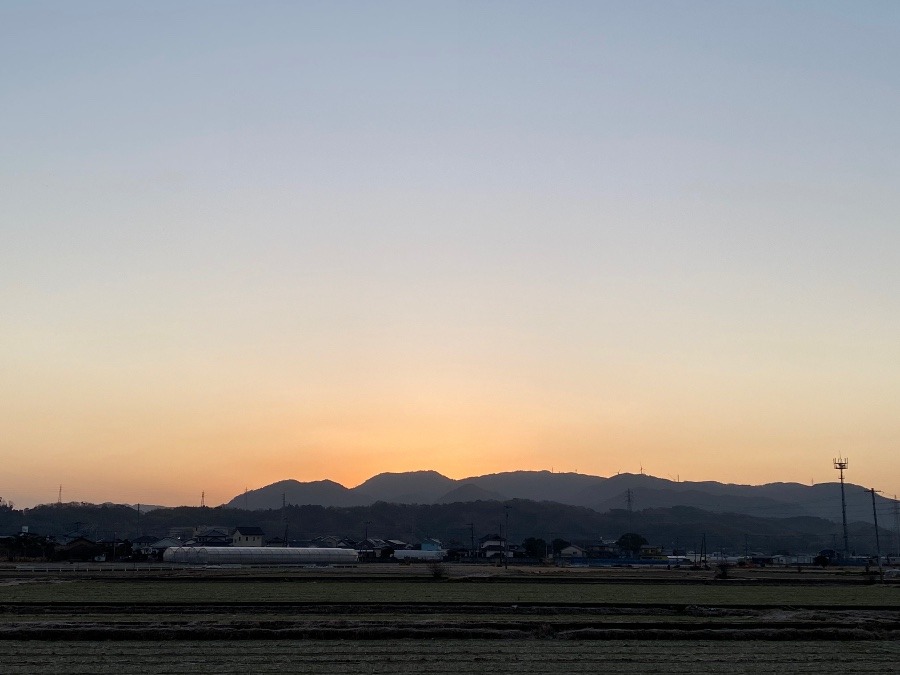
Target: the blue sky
(315, 240)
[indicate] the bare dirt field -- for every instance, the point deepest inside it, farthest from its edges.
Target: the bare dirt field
(447, 656)
(390, 619)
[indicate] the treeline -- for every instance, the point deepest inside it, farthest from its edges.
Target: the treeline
(457, 524)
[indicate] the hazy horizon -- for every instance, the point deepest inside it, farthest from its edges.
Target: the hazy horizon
(245, 242)
(204, 498)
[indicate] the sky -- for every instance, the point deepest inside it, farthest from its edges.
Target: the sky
(246, 242)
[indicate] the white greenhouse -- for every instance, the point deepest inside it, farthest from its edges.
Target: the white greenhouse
(259, 555)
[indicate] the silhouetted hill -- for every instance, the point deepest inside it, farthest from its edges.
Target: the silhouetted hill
(146, 508)
(322, 492)
(413, 487)
(469, 492)
(718, 503)
(776, 500)
(536, 485)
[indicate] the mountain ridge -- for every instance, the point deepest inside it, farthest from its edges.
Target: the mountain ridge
(621, 491)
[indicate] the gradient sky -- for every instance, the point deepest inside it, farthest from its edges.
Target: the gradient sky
(243, 242)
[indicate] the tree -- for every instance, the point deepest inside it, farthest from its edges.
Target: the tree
(535, 548)
(559, 545)
(437, 569)
(631, 542)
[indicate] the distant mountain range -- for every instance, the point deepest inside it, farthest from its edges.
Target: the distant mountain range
(623, 491)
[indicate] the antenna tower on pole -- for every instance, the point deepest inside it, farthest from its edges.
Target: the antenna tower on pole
(841, 464)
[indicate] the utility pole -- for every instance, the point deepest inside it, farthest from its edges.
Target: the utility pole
(472, 542)
(284, 516)
(841, 464)
(203, 499)
(877, 539)
(896, 527)
(703, 561)
(366, 534)
(629, 504)
(506, 541)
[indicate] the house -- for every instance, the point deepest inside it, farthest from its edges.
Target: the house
(331, 541)
(140, 546)
(604, 549)
(458, 552)
(398, 545)
(650, 552)
(493, 546)
(142, 542)
(432, 545)
(247, 536)
(375, 548)
(181, 533)
(80, 549)
(572, 551)
(210, 536)
(115, 548)
(157, 547)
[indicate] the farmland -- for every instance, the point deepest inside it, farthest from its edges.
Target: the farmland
(377, 584)
(448, 656)
(390, 619)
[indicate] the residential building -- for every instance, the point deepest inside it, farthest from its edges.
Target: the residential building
(247, 536)
(572, 551)
(493, 546)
